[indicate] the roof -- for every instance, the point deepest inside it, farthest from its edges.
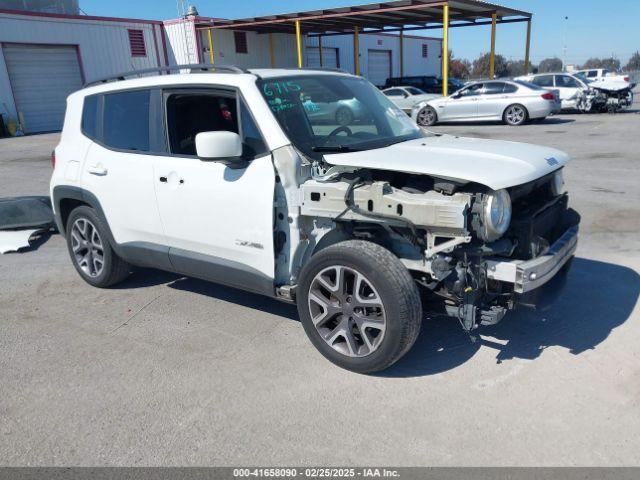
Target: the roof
(377, 17)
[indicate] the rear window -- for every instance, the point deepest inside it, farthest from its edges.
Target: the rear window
(530, 85)
(90, 117)
(126, 120)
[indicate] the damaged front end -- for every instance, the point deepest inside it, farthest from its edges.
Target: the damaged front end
(477, 252)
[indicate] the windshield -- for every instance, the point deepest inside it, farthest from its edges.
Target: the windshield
(336, 113)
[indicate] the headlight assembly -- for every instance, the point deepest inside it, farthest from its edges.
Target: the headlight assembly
(496, 215)
(557, 184)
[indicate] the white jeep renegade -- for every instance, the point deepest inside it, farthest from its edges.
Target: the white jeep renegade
(309, 186)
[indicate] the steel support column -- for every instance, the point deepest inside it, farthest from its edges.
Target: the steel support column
(445, 50)
(299, 43)
(527, 50)
(320, 50)
(211, 54)
(492, 55)
(356, 50)
(402, 53)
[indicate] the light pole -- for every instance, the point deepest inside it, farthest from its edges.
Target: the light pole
(564, 44)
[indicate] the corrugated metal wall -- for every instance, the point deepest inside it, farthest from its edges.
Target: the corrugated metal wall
(182, 44)
(285, 51)
(103, 45)
(414, 63)
(257, 56)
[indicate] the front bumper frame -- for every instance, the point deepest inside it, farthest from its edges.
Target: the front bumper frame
(528, 275)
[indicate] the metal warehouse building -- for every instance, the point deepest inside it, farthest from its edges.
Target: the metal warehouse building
(45, 56)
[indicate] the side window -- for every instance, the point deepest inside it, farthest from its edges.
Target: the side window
(191, 113)
(566, 81)
(471, 90)
(543, 81)
(493, 88)
(592, 73)
(253, 144)
(394, 92)
(510, 88)
(90, 117)
(126, 120)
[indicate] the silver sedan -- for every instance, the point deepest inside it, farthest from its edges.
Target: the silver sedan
(512, 102)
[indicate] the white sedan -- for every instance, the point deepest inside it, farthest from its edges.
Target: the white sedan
(406, 97)
(513, 102)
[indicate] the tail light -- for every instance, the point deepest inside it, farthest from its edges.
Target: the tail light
(626, 79)
(548, 96)
(53, 159)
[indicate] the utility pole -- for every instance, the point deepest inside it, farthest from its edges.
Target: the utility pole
(564, 44)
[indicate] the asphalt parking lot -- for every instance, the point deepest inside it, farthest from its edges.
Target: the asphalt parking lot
(171, 371)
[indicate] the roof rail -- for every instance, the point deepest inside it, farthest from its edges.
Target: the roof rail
(326, 69)
(192, 67)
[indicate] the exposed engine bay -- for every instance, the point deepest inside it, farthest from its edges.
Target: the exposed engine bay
(603, 99)
(449, 234)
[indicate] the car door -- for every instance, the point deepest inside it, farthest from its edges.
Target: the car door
(217, 218)
(492, 100)
(118, 170)
(568, 88)
(399, 97)
(461, 106)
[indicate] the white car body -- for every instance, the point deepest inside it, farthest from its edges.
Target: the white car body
(406, 97)
(485, 104)
(568, 86)
(259, 223)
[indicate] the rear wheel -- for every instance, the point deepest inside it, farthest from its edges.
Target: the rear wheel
(344, 116)
(90, 250)
(515, 115)
(427, 116)
(359, 306)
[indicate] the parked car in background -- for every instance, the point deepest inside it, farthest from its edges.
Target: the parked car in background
(406, 97)
(426, 83)
(330, 109)
(513, 102)
(577, 91)
(568, 86)
(226, 176)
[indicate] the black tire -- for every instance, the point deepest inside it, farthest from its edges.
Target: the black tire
(515, 120)
(344, 116)
(427, 116)
(395, 288)
(114, 269)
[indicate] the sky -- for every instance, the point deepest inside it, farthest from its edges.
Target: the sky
(591, 30)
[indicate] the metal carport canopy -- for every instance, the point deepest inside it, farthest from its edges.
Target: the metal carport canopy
(396, 16)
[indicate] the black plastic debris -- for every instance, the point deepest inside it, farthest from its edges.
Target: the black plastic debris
(26, 212)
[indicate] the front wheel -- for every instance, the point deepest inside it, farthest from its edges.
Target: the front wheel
(427, 116)
(515, 115)
(359, 306)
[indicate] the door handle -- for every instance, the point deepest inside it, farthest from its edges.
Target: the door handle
(164, 179)
(98, 170)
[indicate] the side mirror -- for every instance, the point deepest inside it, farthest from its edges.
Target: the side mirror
(219, 146)
(405, 95)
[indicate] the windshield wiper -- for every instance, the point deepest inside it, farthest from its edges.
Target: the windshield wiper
(334, 148)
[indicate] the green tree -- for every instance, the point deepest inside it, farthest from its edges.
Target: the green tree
(550, 65)
(516, 68)
(460, 68)
(481, 66)
(634, 63)
(610, 63)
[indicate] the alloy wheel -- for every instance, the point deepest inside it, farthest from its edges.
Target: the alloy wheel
(87, 247)
(347, 311)
(426, 117)
(515, 115)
